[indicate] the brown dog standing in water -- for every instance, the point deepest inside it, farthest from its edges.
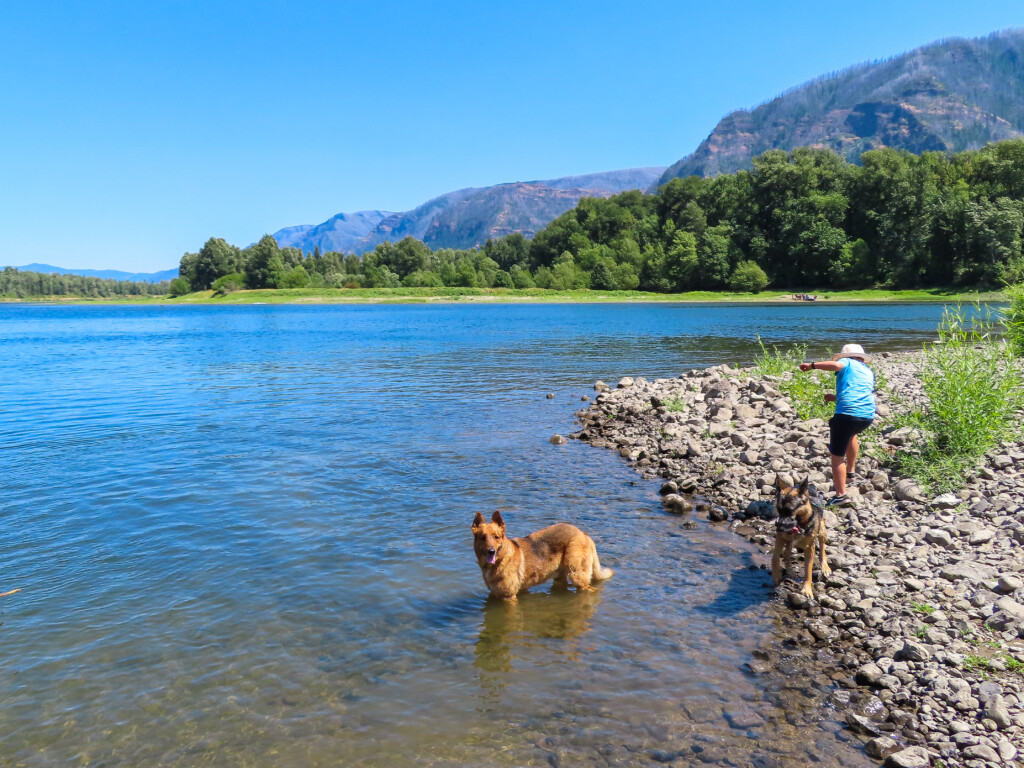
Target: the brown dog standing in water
(800, 524)
(510, 566)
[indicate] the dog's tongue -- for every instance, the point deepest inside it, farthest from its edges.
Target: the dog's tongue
(492, 558)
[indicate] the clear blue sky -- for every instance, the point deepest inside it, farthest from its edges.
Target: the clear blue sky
(133, 131)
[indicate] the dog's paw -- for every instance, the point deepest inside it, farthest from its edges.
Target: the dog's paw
(807, 591)
(825, 570)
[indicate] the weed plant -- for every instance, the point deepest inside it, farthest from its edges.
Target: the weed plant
(1013, 319)
(973, 391)
(806, 391)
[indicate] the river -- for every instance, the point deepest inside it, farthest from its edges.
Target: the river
(242, 537)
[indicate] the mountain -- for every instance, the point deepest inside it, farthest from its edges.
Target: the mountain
(467, 217)
(106, 274)
(951, 95)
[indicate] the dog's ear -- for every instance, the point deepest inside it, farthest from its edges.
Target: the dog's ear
(780, 485)
(803, 485)
(478, 520)
(497, 520)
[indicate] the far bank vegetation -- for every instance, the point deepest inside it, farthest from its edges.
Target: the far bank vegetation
(805, 219)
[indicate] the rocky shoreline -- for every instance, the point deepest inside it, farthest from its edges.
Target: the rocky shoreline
(922, 617)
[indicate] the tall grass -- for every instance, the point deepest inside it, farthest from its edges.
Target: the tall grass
(973, 391)
(1013, 319)
(806, 391)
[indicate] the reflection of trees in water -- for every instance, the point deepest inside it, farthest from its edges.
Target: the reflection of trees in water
(561, 614)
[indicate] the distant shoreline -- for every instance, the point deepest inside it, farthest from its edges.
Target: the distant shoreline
(508, 296)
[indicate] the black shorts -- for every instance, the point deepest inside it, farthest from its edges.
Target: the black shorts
(841, 429)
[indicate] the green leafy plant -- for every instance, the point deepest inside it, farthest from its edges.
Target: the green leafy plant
(1013, 319)
(973, 663)
(806, 391)
(973, 391)
(1013, 665)
(924, 608)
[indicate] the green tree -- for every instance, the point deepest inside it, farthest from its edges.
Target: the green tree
(263, 263)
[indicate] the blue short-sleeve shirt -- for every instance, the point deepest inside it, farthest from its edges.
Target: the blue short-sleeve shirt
(855, 389)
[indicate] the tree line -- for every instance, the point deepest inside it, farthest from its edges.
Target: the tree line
(801, 219)
(19, 284)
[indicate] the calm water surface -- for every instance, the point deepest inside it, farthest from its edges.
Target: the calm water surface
(242, 538)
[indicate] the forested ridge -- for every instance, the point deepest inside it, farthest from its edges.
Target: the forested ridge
(802, 219)
(20, 284)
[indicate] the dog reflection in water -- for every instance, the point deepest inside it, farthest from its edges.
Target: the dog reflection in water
(527, 626)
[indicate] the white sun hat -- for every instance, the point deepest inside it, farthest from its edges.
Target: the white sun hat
(855, 351)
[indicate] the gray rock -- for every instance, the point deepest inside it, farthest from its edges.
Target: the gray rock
(600, 386)
(1006, 750)
(625, 381)
(939, 538)
(968, 571)
(908, 490)
(911, 757)
(557, 440)
(1002, 461)
(1008, 584)
(997, 712)
(946, 501)
(913, 651)
(1010, 606)
(982, 752)
(868, 674)
(983, 536)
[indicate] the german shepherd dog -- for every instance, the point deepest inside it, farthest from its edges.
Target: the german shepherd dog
(800, 524)
(510, 566)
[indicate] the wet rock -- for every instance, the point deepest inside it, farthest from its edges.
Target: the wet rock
(550, 395)
(911, 757)
(862, 725)
(676, 504)
(742, 717)
(717, 514)
(868, 674)
(881, 747)
(557, 440)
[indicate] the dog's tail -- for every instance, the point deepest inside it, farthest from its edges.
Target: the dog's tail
(600, 574)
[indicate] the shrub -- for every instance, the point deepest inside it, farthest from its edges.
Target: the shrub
(297, 277)
(748, 277)
(1013, 318)
(179, 287)
(228, 284)
(973, 391)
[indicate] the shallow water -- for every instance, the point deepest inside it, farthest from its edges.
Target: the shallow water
(242, 538)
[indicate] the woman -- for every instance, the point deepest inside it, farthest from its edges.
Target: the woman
(855, 410)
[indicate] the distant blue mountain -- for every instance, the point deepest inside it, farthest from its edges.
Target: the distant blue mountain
(465, 218)
(106, 274)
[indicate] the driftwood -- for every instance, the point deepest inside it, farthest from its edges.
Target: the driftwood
(10, 592)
